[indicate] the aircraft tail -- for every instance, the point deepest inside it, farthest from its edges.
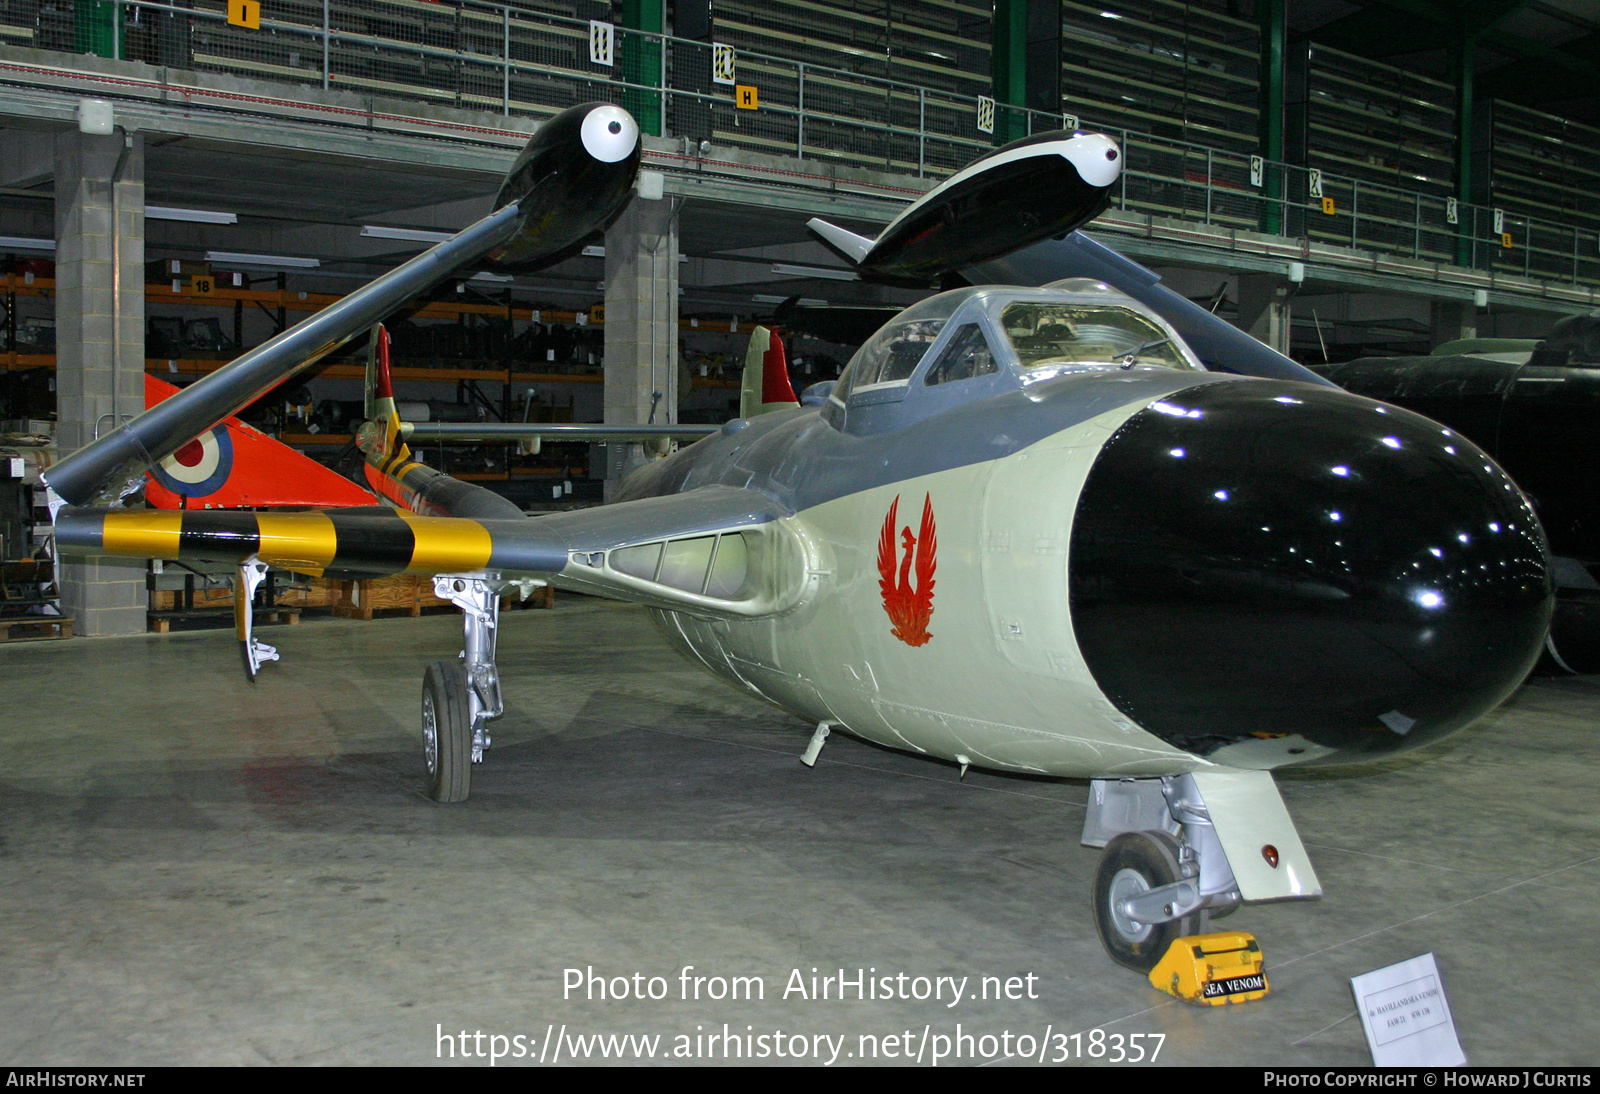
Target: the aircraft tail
(847, 243)
(235, 466)
(766, 384)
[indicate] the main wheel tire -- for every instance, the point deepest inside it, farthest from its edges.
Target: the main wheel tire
(1133, 863)
(447, 731)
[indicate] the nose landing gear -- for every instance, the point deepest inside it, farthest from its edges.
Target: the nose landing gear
(1139, 869)
(1164, 872)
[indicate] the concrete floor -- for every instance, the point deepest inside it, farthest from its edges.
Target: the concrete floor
(194, 869)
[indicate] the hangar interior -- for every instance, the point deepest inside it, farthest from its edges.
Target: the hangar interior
(1341, 179)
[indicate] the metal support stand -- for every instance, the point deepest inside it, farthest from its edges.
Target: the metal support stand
(479, 601)
(252, 572)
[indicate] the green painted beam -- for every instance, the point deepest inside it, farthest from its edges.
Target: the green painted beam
(1463, 57)
(1010, 59)
(1272, 16)
(641, 61)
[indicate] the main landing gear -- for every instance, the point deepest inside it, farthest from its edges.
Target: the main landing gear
(1163, 874)
(460, 697)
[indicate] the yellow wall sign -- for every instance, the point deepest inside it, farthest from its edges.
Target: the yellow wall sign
(1328, 206)
(746, 98)
(203, 286)
(1505, 240)
(244, 13)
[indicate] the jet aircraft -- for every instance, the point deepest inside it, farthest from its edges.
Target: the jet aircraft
(1037, 528)
(1530, 403)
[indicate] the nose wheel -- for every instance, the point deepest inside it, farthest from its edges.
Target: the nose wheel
(1134, 864)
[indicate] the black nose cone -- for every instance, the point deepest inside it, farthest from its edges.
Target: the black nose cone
(1258, 561)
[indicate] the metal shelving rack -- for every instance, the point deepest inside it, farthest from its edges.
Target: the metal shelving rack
(1545, 166)
(1384, 141)
(1173, 69)
(1380, 124)
(941, 44)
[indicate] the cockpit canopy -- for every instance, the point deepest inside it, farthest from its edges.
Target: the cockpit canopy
(1011, 336)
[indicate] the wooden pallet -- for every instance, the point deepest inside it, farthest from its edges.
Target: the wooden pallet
(161, 622)
(35, 628)
(410, 594)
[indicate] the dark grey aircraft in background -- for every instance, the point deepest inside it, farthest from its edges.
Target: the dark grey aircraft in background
(1535, 407)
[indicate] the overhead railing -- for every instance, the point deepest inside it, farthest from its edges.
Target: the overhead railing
(513, 61)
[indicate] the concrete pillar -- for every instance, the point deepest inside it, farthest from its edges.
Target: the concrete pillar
(1264, 309)
(641, 324)
(1453, 320)
(99, 342)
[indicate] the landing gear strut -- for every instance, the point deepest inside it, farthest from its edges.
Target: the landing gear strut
(460, 697)
(1164, 872)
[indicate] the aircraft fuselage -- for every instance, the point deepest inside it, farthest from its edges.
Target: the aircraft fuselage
(1129, 571)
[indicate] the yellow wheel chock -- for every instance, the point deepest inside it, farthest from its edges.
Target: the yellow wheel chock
(1208, 970)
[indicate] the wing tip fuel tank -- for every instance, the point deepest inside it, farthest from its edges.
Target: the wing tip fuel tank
(1029, 190)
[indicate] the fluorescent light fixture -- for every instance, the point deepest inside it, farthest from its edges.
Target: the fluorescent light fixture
(804, 301)
(194, 216)
(594, 252)
(831, 273)
(21, 243)
(413, 235)
(227, 257)
(487, 276)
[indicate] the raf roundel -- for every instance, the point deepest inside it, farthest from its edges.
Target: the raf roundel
(199, 468)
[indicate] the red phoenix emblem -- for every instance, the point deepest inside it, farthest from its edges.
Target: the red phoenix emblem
(909, 607)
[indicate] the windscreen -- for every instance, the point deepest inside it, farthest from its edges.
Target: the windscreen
(1087, 334)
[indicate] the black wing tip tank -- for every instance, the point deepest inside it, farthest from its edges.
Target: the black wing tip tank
(1037, 188)
(573, 178)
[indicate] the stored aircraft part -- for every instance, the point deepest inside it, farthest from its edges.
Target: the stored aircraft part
(1032, 189)
(447, 731)
(252, 571)
(479, 601)
(1136, 863)
(1249, 558)
(1213, 969)
(557, 194)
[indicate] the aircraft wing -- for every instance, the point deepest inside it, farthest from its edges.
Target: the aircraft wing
(715, 552)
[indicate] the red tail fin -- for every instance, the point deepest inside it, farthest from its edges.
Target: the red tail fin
(235, 466)
(775, 385)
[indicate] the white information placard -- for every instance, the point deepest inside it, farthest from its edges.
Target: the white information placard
(602, 43)
(722, 66)
(1406, 1018)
